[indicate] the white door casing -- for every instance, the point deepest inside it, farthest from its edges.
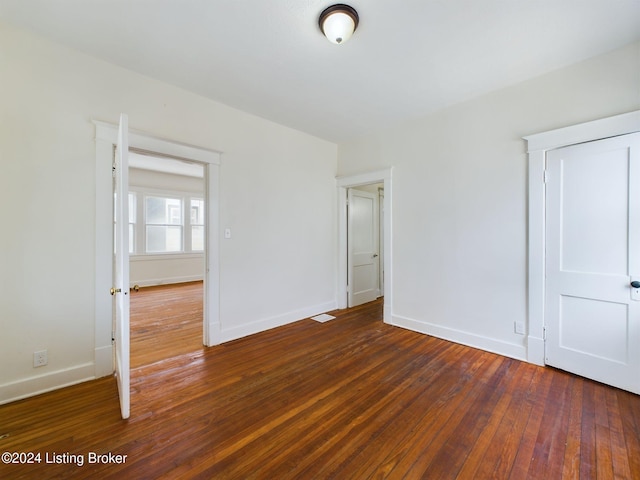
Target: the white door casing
(343, 183)
(363, 247)
(537, 147)
(106, 138)
(592, 314)
(381, 239)
(120, 289)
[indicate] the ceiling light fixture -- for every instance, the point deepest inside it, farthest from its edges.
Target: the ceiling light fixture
(338, 22)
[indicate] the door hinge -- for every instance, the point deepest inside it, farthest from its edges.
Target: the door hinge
(544, 333)
(113, 169)
(113, 338)
(545, 176)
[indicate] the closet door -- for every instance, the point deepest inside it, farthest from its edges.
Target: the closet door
(592, 303)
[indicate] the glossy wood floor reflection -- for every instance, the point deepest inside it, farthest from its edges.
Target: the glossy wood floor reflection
(166, 321)
(352, 398)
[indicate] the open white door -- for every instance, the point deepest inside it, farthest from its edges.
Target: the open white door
(121, 267)
(592, 304)
(362, 240)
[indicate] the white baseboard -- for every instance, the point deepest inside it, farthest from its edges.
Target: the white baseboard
(29, 387)
(465, 338)
(152, 282)
(273, 322)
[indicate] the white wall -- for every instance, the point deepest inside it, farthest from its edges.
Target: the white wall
(277, 195)
(460, 197)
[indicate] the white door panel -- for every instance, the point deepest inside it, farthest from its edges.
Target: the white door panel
(362, 233)
(121, 267)
(592, 225)
(595, 192)
(579, 317)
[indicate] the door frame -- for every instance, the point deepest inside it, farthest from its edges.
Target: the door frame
(380, 200)
(343, 183)
(537, 147)
(106, 138)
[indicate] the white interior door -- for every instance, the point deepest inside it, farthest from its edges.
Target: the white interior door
(362, 239)
(121, 266)
(592, 312)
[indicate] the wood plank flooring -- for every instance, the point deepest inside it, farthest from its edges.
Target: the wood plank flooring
(166, 321)
(352, 398)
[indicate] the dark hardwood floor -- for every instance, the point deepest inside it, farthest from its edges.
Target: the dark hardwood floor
(352, 398)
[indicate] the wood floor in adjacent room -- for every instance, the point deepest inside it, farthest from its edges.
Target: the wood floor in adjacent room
(352, 398)
(166, 321)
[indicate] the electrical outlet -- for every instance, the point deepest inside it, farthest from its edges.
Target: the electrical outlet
(519, 327)
(40, 358)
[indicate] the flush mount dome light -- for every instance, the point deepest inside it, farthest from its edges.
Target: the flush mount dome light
(338, 22)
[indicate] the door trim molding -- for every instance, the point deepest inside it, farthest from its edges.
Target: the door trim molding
(106, 137)
(343, 183)
(537, 147)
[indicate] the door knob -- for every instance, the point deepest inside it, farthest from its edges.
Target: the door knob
(113, 290)
(635, 284)
(375, 255)
(136, 288)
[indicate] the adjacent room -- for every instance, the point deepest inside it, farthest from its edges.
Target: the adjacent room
(310, 240)
(166, 203)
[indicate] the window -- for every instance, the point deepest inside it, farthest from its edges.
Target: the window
(197, 225)
(163, 219)
(165, 222)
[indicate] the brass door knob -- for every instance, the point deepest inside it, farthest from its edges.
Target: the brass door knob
(113, 290)
(136, 288)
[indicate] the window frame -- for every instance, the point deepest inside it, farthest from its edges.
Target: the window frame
(202, 214)
(140, 234)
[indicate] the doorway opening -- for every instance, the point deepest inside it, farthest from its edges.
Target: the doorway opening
(380, 182)
(167, 224)
(106, 139)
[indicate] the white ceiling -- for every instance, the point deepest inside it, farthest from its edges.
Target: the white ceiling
(267, 57)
